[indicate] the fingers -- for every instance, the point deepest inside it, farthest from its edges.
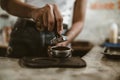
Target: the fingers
(51, 18)
(38, 18)
(39, 23)
(45, 20)
(62, 44)
(48, 17)
(58, 19)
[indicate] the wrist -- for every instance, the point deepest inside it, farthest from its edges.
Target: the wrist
(70, 36)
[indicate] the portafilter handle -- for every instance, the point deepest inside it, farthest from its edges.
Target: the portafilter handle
(59, 39)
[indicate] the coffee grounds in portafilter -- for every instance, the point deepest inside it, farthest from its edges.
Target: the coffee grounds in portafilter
(61, 48)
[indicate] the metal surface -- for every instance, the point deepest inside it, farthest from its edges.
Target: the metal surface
(56, 40)
(62, 52)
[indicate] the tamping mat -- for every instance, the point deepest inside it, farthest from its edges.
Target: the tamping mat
(46, 62)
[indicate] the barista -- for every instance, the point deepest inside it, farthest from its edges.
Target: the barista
(46, 14)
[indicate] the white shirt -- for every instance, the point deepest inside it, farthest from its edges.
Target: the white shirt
(65, 6)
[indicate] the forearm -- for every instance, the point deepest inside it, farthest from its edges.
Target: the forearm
(78, 19)
(74, 31)
(17, 8)
(79, 11)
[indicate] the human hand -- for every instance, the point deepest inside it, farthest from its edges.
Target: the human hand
(48, 17)
(66, 43)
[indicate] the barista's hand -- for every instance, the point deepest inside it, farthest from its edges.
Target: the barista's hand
(48, 17)
(66, 43)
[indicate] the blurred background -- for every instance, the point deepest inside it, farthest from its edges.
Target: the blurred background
(100, 15)
(7, 21)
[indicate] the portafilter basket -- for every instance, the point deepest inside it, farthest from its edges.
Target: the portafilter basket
(60, 52)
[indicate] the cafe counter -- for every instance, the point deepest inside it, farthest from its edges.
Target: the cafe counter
(98, 68)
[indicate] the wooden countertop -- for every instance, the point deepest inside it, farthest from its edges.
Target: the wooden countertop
(98, 68)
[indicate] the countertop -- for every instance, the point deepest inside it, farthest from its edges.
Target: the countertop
(98, 68)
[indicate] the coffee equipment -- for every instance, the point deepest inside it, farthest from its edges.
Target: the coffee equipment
(60, 52)
(26, 40)
(51, 38)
